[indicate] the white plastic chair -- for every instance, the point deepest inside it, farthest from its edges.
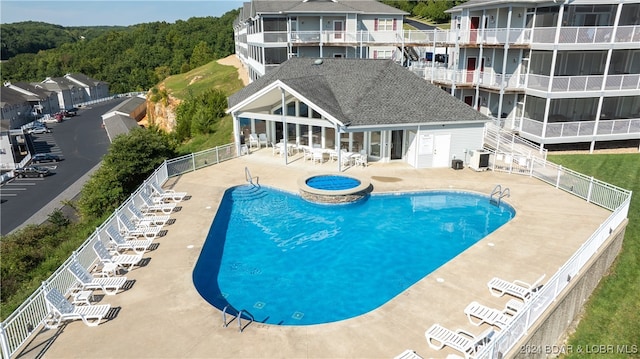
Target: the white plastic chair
(317, 156)
(131, 243)
(127, 227)
(262, 140)
(519, 289)
(478, 314)
(108, 285)
(62, 310)
(438, 337)
(253, 141)
(116, 260)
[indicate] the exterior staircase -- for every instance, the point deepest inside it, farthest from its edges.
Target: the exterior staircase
(499, 140)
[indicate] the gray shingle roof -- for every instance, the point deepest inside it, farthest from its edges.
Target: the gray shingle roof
(117, 125)
(9, 96)
(129, 105)
(85, 79)
(365, 92)
(494, 3)
(318, 6)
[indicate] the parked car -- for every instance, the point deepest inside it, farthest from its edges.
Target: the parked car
(31, 171)
(38, 130)
(45, 157)
(49, 119)
(71, 111)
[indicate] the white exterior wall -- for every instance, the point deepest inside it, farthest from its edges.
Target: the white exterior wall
(420, 153)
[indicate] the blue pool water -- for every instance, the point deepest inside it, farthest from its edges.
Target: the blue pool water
(332, 182)
(291, 262)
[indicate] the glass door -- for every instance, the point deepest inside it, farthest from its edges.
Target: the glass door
(396, 145)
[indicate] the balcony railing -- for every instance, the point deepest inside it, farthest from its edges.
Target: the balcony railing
(500, 81)
(483, 78)
(497, 36)
(586, 35)
(582, 128)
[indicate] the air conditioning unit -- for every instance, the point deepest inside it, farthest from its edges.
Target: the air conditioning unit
(479, 160)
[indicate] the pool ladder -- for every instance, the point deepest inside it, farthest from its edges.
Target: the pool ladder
(249, 178)
(499, 192)
(238, 316)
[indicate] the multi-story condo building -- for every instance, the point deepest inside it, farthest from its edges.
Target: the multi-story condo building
(268, 32)
(554, 71)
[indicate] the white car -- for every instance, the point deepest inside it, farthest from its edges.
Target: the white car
(48, 119)
(38, 130)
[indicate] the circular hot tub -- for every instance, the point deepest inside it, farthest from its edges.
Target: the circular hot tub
(331, 188)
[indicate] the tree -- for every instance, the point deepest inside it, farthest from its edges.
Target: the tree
(125, 57)
(198, 114)
(201, 55)
(131, 159)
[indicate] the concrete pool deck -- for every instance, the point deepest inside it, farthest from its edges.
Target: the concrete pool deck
(162, 316)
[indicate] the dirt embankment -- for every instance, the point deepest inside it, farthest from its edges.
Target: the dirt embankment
(232, 60)
(164, 115)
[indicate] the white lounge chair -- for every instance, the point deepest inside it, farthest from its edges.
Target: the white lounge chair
(116, 260)
(478, 314)
(408, 354)
(438, 337)
(108, 285)
(262, 140)
(62, 310)
(149, 206)
(130, 243)
(165, 194)
(519, 289)
(128, 228)
(137, 217)
(253, 141)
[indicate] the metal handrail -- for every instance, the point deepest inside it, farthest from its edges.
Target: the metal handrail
(249, 178)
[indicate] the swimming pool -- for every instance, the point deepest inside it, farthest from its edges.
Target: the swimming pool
(332, 182)
(291, 262)
(333, 189)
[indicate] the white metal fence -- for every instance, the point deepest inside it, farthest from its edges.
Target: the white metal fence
(593, 191)
(24, 321)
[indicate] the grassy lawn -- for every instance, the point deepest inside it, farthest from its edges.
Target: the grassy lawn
(203, 78)
(222, 136)
(612, 313)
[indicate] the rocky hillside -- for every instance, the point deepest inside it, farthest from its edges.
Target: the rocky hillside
(165, 97)
(161, 113)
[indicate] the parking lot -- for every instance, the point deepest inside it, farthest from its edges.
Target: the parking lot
(81, 142)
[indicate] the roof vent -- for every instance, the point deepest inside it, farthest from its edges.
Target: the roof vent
(318, 62)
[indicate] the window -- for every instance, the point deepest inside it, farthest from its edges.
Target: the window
(382, 54)
(385, 24)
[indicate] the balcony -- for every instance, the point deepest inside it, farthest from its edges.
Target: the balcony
(584, 83)
(606, 129)
(489, 37)
(587, 35)
(487, 79)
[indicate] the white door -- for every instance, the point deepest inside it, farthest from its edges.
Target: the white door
(441, 147)
(412, 148)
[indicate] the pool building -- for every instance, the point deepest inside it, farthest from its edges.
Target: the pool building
(372, 107)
